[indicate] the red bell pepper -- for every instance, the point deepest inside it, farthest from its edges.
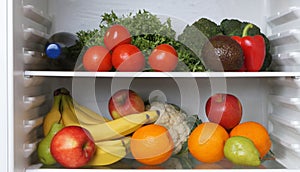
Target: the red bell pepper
(253, 48)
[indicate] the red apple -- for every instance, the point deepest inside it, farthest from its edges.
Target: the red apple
(224, 109)
(72, 147)
(125, 102)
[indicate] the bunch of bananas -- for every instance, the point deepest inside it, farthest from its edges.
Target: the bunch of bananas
(110, 136)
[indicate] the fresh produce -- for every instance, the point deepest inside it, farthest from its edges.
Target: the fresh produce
(241, 151)
(54, 115)
(111, 151)
(176, 121)
(111, 129)
(224, 109)
(122, 126)
(195, 36)
(253, 48)
(67, 115)
(81, 115)
(147, 31)
(206, 142)
(234, 27)
(43, 149)
(163, 58)
(257, 133)
(97, 58)
(222, 53)
(125, 102)
(128, 58)
(116, 35)
(72, 147)
(151, 144)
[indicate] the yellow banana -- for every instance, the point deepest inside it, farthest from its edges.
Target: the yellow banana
(81, 116)
(122, 126)
(53, 116)
(68, 117)
(89, 112)
(117, 142)
(102, 157)
(109, 154)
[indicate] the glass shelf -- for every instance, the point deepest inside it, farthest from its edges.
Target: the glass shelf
(159, 74)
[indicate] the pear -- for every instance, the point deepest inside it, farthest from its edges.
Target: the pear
(43, 148)
(241, 151)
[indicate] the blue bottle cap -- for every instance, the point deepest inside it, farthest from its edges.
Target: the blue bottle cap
(53, 50)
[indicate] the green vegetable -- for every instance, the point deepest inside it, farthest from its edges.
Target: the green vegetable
(234, 27)
(147, 32)
(207, 27)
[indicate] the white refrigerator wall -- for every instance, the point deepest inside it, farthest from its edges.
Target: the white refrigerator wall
(74, 15)
(87, 15)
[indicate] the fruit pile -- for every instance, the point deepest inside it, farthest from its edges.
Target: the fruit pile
(119, 54)
(224, 136)
(76, 136)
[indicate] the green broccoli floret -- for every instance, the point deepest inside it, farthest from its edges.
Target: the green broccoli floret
(234, 27)
(207, 27)
(231, 27)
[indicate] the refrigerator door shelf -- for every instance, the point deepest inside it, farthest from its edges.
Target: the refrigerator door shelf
(33, 81)
(285, 127)
(284, 17)
(293, 103)
(289, 59)
(32, 102)
(287, 157)
(29, 148)
(33, 57)
(285, 91)
(29, 125)
(293, 82)
(291, 36)
(33, 35)
(36, 15)
(290, 116)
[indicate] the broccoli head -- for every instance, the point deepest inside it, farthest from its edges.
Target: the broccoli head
(234, 27)
(231, 27)
(207, 27)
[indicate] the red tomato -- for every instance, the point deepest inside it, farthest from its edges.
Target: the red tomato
(97, 58)
(116, 35)
(128, 58)
(163, 58)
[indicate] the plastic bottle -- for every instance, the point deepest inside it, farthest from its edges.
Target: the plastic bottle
(59, 51)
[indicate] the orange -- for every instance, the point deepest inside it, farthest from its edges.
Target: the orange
(151, 144)
(206, 142)
(255, 132)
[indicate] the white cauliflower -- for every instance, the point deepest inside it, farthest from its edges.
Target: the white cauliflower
(175, 120)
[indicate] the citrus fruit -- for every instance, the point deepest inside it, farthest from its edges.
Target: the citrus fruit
(206, 142)
(151, 144)
(241, 151)
(255, 132)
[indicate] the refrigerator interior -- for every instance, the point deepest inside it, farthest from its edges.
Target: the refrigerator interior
(265, 96)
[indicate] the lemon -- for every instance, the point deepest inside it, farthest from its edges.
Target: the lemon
(241, 151)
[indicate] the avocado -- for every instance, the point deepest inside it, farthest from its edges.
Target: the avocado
(222, 53)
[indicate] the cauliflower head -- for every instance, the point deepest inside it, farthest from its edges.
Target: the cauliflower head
(175, 120)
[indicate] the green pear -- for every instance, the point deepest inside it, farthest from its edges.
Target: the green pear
(241, 151)
(43, 148)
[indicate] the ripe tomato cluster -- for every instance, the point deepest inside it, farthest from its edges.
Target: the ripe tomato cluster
(120, 54)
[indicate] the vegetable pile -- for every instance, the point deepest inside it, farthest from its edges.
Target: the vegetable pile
(148, 31)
